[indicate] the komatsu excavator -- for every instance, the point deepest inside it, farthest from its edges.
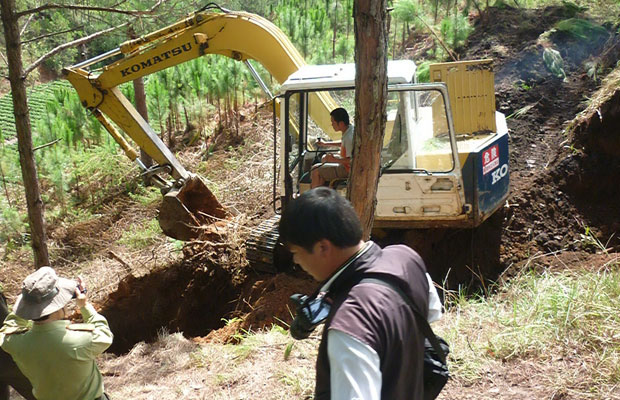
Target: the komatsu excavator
(444, 161)
(188, 203)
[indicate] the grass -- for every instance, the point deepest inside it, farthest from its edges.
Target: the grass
(541, 318)
(141, 235)
(146, 196)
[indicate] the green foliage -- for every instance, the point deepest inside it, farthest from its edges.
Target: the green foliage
(571, 8)
(96, 173)
(582, 29)
(594, 69)
(455, 30)
(554, 62)
(141, 235)
(13, 226)
(321, 31)
(423, 72)
(54, 27)
(406, 11)
(146, 196)
(500, 4)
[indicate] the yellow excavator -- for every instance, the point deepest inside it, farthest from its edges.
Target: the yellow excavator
(444, 161)
(241, 36)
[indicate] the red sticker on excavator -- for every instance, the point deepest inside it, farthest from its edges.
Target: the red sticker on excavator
(490, 159)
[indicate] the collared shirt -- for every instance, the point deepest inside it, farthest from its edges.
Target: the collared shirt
(59, 358)
(355, 372)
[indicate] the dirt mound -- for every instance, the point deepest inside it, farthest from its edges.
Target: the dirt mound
(537, 102)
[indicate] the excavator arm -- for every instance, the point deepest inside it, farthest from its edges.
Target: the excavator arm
(238, 35)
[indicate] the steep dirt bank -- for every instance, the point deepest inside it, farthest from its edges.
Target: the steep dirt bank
(589, 171)
(561, 197)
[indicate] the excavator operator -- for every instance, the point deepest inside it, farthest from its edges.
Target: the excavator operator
(335, 166)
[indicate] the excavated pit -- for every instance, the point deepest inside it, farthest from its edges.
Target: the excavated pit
(209, 296)
(188, 298)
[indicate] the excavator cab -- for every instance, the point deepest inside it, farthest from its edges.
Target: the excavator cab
(430, 175)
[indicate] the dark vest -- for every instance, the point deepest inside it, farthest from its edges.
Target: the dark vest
(4, 311)
(377, 316)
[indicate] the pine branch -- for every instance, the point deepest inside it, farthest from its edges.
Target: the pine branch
(51, 34)
(84, 8)
(64, 46)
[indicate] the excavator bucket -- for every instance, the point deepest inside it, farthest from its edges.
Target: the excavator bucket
(184, 212)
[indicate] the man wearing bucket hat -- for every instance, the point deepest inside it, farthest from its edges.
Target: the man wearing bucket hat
(57, 357)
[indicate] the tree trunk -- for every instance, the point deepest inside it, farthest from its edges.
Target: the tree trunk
(335, 29)
(371, 38)
(6, 190)
(140, 95)
(24, 134)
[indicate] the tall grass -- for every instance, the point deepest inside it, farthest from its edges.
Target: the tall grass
(541, 317)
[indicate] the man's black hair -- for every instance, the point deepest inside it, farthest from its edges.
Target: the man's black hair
(340, 115)
(320, 213)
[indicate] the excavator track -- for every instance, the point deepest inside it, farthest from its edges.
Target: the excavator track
(260, 248)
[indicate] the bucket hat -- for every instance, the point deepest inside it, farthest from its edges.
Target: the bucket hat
(43, 293)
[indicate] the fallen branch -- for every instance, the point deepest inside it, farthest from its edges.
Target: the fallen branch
(118, 258)
(26, 25)
(441, 42)
(46, 145)
(51, 34)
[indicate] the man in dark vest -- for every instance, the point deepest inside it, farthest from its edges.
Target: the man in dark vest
(10, 375)
(371, 346)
